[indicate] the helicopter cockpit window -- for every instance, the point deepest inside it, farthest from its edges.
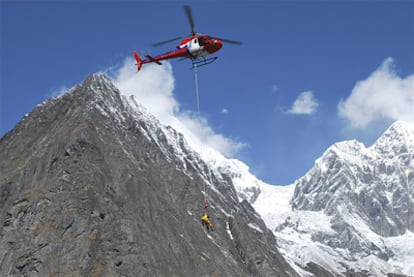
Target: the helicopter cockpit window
(201, 41)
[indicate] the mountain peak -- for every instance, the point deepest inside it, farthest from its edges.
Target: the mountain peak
(397, 139)
(98, 80)
(400, 132)
(100, 85)
(348, 147)
(402, 125)
(348, 172)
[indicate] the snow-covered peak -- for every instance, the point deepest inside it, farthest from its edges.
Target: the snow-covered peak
(397, 139)
(99, 82)
(400, 128)
(392, 153)
(247, 185)
(350, 151)
(350, 147)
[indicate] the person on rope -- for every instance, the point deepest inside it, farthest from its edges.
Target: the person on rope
(205, 221)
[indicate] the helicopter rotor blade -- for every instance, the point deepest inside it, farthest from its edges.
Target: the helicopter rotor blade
(166, 41)
(189, 14)
(229, 41)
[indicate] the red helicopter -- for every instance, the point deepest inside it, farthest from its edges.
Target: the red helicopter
(196, 47)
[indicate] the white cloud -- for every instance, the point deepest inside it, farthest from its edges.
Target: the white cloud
(383, 95)
(224, 111)
(305, 104)
(153, 88)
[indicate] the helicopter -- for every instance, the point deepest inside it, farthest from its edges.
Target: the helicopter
(195, 47)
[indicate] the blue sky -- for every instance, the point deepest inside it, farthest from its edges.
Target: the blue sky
(309, 74)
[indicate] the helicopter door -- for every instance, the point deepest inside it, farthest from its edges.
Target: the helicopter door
(194, 47)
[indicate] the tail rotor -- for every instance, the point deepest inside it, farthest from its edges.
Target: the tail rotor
(139, 61)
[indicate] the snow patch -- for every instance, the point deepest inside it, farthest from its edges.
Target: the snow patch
(229, 231)
(255, 227)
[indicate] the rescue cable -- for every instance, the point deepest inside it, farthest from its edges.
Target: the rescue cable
(198, 114)
(196, 89)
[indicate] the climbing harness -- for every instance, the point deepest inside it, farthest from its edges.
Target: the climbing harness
(198, 114)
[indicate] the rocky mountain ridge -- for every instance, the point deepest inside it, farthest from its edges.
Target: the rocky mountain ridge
(93, 185)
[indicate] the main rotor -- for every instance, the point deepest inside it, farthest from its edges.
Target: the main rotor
(189, 14)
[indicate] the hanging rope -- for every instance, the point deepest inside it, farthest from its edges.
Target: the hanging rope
(198, 114)
(196, 89)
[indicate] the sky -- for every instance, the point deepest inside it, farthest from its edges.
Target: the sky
(309, 73)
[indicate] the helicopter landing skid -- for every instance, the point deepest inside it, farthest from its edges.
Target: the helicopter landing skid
(203, 61)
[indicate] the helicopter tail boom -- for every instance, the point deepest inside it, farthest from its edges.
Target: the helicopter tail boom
(152, 59)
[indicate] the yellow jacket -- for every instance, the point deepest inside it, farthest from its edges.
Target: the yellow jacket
(205, 218)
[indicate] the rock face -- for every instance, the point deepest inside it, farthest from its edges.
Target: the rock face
(376, 183)
(92, 185)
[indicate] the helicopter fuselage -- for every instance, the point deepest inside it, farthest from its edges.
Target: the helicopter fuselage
(193, 48)
(200, 46)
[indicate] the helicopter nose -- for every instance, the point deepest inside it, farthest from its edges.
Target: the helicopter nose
(218, 43)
